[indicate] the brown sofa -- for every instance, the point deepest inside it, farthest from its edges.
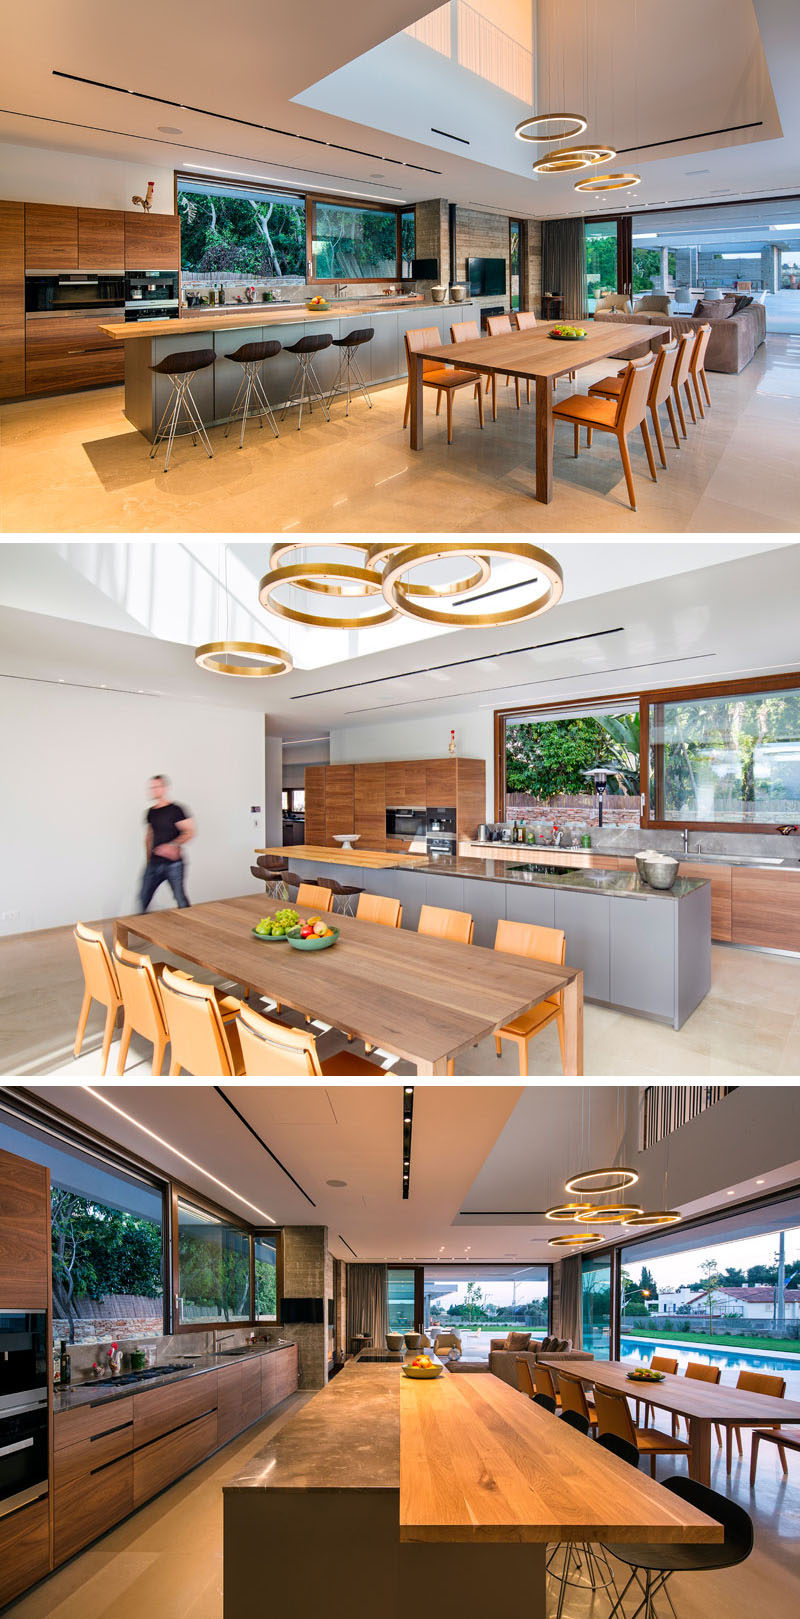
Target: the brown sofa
(732, 344)
(503, 1361)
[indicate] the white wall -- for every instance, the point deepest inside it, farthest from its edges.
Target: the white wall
(421, 739)
(72, 810)
(40, 174)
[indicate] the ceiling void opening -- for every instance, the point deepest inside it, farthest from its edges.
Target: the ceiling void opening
(468, 35)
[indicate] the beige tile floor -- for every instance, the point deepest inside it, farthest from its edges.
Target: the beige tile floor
(166, 1560)
(747, 1026)
(74, 463)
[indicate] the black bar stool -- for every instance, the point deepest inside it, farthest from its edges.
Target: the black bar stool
(345, 893)
(349, 371)
(250, 357)
(305, 374)
(181, 368)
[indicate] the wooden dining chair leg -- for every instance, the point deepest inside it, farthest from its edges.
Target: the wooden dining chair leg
(408, 406)
(494, 396)
(576, 437)
(688, 392)
(174, 1069)
(522, 1047)
(451, 1066)
(652, 1464)
(756, 1441)
(528, 390)
(516, 390)
(111, 1018)
(123, 1047)
(698, 394)
(159, 1047)
(659, 435)
(449, 415)
(626, 467)
(672, 422)
(439, 392)
(498, 1045)
(728, 1449)
(717, 1432)
(562, 1036)
(589, 437)
(648, 448)
(704, 380)
(681, 417)
(479, 397)
(82, 1021)
(738, 1433)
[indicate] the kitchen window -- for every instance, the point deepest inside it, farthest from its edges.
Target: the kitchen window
(231, 230)
(354, 244)
(265, 1257)
(725, 758)
(213, 1268)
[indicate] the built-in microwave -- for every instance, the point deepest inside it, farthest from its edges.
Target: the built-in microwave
(23, 1357)
(86, 292)
(23, 1456)
(403, 822)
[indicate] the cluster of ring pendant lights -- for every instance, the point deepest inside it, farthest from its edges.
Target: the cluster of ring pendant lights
(600, 1183)
(386, 574)
(569, 159)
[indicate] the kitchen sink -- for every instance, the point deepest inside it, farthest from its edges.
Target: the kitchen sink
(733, 859)
(244, 1349)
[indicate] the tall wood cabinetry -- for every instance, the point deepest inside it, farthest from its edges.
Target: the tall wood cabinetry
(354, 798)
(12, 299)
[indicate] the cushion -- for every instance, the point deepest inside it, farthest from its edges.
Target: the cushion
(713, 308)
(546, 1346)
(741, 302)
(518, 1340)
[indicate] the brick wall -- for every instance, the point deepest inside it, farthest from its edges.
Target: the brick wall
(575, 809)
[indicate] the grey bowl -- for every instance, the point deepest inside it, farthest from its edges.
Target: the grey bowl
(660, 873)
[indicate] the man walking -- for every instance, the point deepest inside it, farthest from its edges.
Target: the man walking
(168, 829)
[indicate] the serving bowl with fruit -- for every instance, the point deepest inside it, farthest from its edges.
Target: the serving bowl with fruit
(422, 1366)
(317, 303)
(644, 1374)
(569, 334)
(277, 926)
(313, 934)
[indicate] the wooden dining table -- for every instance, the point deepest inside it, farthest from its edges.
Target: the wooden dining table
(421, 999)
(702, 1404)
(533, 356)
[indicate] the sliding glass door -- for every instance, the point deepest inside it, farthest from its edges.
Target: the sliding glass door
(608, 257)
(596, 1295)
(401, 1291)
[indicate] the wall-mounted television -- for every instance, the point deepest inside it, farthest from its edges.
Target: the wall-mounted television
(487, 277)
(424, 269)
(295, 1311)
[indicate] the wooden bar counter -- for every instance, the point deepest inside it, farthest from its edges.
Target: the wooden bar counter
(389, 1487)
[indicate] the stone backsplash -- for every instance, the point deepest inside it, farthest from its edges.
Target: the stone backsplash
(162, 1350)
(631, 839)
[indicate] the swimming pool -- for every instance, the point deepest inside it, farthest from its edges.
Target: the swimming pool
(640, 1349)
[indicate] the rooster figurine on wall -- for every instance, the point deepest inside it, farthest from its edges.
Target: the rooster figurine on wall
(145, 202)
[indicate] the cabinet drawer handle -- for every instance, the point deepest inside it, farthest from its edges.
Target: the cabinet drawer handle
(21, 1444)
(106, 1431)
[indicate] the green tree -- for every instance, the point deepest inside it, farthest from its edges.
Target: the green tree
(475, 1302)
(215, 1274)
(549, 757)
(710, 1281)
(98, 1251)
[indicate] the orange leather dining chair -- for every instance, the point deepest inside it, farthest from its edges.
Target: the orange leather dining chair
(444, 378)
(660, 393)
(142, 1006)
(573, 1397)
(755, 1383)
(468, 331)
(500, 326)
(438, 923)
(545, 1383)
(701, 1373)
(680, 378)
(524, 1379)
(614, 1417)
(273, 1051)
(317, 899)
(541, 944)
(379, 908)
(618, 416)
(100, 983)
(524, 320)
(658, 1363)
(200, 1022)
(697, 365)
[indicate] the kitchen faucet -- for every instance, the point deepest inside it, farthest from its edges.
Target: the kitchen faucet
(218, 1340)
(339, 288)
(685, 835)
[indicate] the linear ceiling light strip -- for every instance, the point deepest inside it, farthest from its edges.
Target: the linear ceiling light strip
(408, 1125)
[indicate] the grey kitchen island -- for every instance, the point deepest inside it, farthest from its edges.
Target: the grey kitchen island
(640, 949)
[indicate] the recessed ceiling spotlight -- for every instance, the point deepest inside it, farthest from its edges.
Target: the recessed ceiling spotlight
(759, 1183)
(169, 129)
(730, 1193)
(336, 1183)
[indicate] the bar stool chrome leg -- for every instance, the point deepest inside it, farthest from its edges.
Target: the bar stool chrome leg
(305, 377)
(252, 387)
(180, 403)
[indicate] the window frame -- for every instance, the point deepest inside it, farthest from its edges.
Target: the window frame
(312, 200)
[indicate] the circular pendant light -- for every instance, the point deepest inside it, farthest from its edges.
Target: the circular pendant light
(569, 1211)
(609, 182)
(546, 584)
(538, 127)
(610, 1180)
(269, 660)
(574, 1239)
(568, 158)
(328, 573)
(657, 1217)
(610, 1213)
(284, 551)
(380, 555)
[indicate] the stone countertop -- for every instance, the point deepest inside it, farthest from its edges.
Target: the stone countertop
(542, 850)
(346, 1438)
(584, 881)
(94, 1390)
(222, 317)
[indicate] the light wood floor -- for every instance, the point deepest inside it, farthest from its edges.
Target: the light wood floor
(74, 463)
(167, 1559)
(747, 1026)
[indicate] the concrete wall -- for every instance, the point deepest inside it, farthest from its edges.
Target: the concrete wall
(39, 174)
(421, 739)
(72, 820)
(308, 1273)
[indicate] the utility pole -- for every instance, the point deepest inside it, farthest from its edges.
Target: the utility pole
(780, 1286)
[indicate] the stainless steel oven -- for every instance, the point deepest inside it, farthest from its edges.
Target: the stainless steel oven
(23, 1357)
(23, 1455)
(405, 822)
(84, 292)
(441, 831)
(152, 294)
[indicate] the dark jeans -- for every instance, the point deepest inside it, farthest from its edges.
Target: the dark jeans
(158, 871)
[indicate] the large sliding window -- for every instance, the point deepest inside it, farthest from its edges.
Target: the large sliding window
(400, 1287)
(352, 243)
(265, 1262)
(240, 230)
(732, 758)
(480, 1302)
(596, 1295)
(213, 1268)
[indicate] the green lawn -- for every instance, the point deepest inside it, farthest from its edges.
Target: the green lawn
(720, 1340)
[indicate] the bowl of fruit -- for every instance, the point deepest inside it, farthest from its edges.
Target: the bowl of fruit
(568, 334)
(422, 1366)
(277, 926)
(313, 934)
(644, 1374)
(317, 303)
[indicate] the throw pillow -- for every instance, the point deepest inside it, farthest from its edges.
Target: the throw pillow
(742, 302)
(518, 1340)
(713, 309)
(546, 1346)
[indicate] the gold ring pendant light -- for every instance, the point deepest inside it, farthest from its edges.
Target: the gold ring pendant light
(544, 566)
(575, 1239)
(609, 182)
(272, 660)
(329, 574)
(283, 552)
(598, 1181)
(569, 158)
(537, 129)
(657, 1217)
(380, 555)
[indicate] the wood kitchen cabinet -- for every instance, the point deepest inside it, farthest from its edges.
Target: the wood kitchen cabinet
(720, 878)
(339, 807)
(24, 1548)
(12, 299)
(369, 800)
(152, 241)
(230, 1402)
(158, 1411)
(470, 795)
(101, 239)
(440, 784)
(24, 1234)
(765, 908)
(406, 783)
(167, 1459)
(90, 1503)
(70, 351)
(51, 237)
(315, 804)
(286, 1368)
(251, 1391)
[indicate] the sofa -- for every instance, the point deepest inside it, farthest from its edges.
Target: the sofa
(503, 1360)
(733, 342)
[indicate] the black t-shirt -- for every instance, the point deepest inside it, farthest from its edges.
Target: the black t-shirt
(164, 822)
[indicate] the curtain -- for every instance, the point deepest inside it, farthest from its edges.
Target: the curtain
(571, 1301)
(367, 1302)
(564, 264)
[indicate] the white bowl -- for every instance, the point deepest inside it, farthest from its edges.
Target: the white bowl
(346, 839)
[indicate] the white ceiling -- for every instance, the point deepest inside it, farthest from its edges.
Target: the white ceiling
(631, 616)
(651, 81)
(486, 1159)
